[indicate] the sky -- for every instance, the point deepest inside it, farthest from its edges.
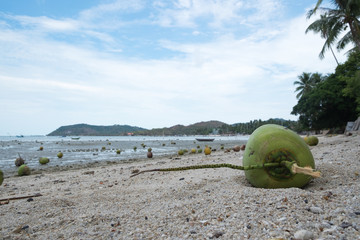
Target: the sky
(152, 63)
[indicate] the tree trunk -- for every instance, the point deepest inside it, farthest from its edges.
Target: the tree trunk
(355, 32)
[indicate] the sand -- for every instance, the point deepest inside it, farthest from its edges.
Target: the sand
(105, 203)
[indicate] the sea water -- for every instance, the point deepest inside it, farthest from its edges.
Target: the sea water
(90, 149)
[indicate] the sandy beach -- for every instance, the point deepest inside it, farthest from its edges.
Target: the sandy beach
(103, 202)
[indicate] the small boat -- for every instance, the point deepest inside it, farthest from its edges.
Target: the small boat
(205, 139)
(19, 136)
(75, 138)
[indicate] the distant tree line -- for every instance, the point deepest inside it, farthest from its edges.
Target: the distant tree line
(249, 127)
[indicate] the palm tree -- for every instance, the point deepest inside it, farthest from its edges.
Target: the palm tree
(306, 82)
(333, 22)
(321, 26)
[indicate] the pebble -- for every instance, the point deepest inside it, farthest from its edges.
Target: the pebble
(217, 234)
(304, 235)
(345, 225)
(316, 210)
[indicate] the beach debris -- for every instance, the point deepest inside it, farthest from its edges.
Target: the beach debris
(24, 170)
(207, 151)
(20, 197)
(44, 160)
(19, 161)
(149, 153)
(311, 140)
(89, 173)
(237, 148)
(135, 148)
(41, 148)
(275, 157)
(242, 148)
(1, 177)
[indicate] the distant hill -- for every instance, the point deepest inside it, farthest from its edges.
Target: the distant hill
(92, 130)
(201, 128)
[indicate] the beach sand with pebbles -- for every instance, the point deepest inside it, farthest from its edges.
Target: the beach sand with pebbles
(103, 202)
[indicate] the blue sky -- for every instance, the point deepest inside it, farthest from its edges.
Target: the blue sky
(151, 63)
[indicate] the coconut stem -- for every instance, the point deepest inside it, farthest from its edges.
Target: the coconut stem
(292, 166)
(304, 170)
(221, 165)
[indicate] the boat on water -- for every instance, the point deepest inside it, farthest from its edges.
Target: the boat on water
(19, 136)
(205, 139)
(75, 138)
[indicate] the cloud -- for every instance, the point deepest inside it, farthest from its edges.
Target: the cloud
(46, 23)
(218, 13)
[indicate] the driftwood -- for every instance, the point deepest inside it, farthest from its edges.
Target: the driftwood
(21, 197)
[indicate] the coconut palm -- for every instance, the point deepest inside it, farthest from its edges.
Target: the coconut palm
(321, 26)
(333, 22)
(306, 82)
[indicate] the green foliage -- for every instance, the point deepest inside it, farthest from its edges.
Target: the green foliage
(201, 128)
(249, 127)
(326, 106)
(350, 74)
(306, 82)
(334, 21)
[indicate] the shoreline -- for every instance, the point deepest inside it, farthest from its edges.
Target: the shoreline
(103, 202)
(94, 150)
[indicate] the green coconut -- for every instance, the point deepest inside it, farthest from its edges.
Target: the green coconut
(311, 140)
(273, 143)
(60, 155)
(181, 152)
(1, 177)
(24, 170)
(44, 160)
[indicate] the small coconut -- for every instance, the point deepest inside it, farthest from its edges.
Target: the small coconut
(237, 148)
(1, 177)
(44, 160)
(118, 151)
(181, 152)
(243, 147)
(24, 170)
(207, 151)
(311, 140)
(19, 161)
(200, 150)
(41, 148)
(193, 150)
(60, 155)
(149, 154)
